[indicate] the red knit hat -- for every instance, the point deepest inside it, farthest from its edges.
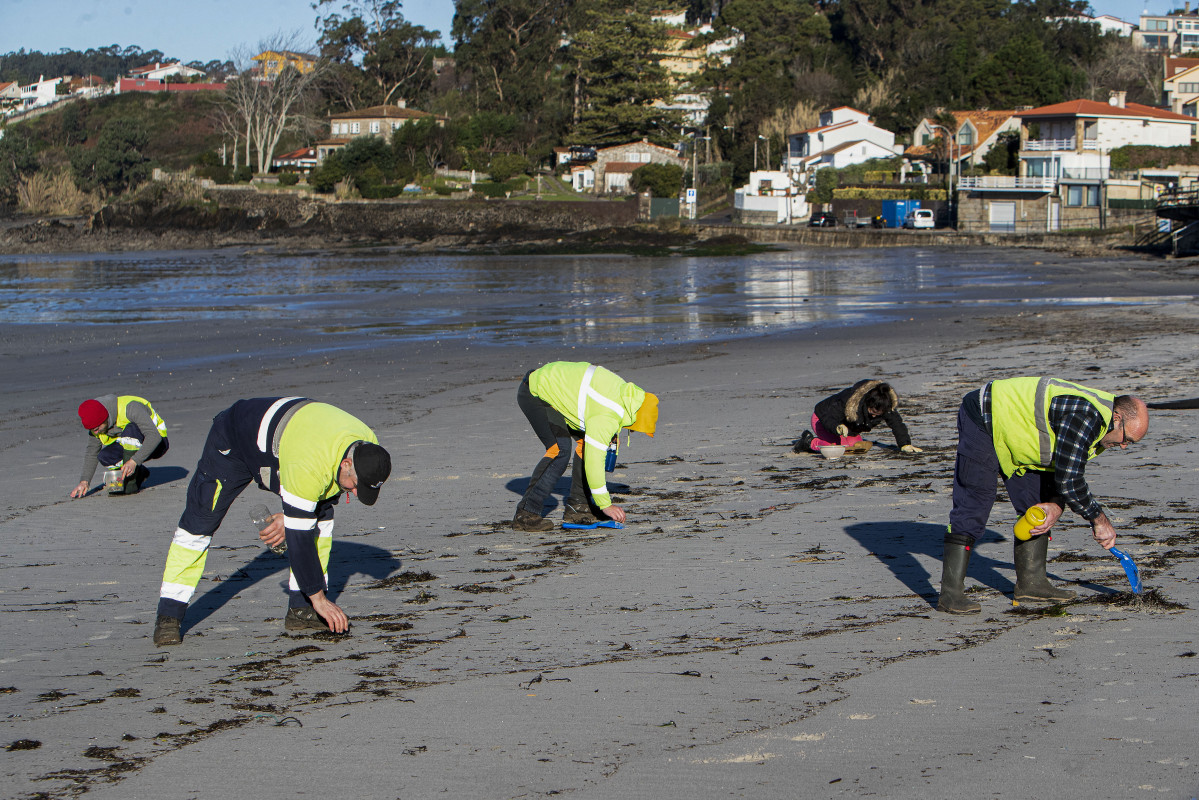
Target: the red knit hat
(92, 413)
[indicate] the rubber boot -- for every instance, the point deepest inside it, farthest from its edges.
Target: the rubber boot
(953, 576)
(579, 512)
(1031, 583)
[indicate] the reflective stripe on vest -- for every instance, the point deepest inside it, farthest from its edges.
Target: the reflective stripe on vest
(1045, 437)
(128, 442)
(585, 393)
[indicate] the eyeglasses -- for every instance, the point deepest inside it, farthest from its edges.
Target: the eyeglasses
(1124, 440)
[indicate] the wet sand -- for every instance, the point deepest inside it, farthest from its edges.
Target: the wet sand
(764, 626)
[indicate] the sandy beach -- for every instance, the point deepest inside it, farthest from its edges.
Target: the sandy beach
(764, 626)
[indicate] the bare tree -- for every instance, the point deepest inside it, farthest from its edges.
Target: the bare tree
(266, 106)
(1122, 66)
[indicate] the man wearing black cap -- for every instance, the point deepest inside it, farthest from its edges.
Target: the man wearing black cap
(306, 452)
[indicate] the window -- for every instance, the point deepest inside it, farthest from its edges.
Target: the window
(1157, 24)
(1157, 42)
(966, 137)
(1090, 131)
(353, 127)
(1078, 196)
(375, 126)
(1188, 88)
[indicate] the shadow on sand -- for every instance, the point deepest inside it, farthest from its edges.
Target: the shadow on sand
(347, 559)
(897, 545)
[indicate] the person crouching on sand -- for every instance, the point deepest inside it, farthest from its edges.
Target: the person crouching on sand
(844, 417)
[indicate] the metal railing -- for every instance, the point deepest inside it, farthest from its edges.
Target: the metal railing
(1005, 182)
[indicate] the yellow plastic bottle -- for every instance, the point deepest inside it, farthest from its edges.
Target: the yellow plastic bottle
(1033, 517)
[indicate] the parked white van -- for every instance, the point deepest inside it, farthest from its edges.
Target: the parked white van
(919, 218)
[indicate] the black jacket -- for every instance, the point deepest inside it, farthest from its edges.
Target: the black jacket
(846, 408)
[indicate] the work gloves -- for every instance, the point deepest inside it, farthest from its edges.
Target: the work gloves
(911, 448)
(842, 430)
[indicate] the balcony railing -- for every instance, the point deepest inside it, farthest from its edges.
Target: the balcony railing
(1050, 144)
(1008, 183)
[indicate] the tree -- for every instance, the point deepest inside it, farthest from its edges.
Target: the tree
(660, 180)
(264, 110)
(617, 76)
(826, 184)
(1004, 155)
(507, 166)
(116, 163)
(18, 159)
(396, 57)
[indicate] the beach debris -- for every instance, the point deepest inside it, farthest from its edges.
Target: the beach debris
(23, 744)
(535, 679)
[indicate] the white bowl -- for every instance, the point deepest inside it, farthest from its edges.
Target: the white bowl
(832, 451)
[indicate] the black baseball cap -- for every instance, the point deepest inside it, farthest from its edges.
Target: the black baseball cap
(372, 465)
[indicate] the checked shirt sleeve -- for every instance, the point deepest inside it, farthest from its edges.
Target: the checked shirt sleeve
(1077, 424)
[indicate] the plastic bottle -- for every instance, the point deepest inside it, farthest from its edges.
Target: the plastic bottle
(261, 517)
(1033, 517)
(113, 482)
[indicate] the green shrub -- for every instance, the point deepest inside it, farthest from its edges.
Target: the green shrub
(507, 166)
(443, 191)
(288, 179)
(660, 180)
(492, 189)
(379, 191)
(244, 174)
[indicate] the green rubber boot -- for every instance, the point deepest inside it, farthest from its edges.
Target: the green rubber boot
(953, 577)
(1031, 583)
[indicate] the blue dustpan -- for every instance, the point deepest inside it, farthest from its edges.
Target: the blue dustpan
(608, 523)
(1130, 569)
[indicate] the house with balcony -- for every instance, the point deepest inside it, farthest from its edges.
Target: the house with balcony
(1065, 178)
(843, 136)
(1175, 32)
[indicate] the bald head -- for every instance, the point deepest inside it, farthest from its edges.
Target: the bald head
(1130, 422)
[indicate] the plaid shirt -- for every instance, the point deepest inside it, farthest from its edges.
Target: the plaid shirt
(1077, 424)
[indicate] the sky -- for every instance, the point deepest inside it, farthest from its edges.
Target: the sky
(204, 30)
(190, 30)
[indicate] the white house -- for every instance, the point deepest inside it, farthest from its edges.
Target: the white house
(844, 136)
(158, 71)
(41, 93)
(1180, 85)
(770, 198)
(1106, 22)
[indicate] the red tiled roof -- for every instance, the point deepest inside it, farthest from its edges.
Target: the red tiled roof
(984, 122)
(382, 112)
(1175, 65)
(1094, 108)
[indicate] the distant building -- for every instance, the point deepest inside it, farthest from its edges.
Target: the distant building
(1180, 86)
(614, 166)
(161, 72)
(374, 121)
(302, 160)
(1106, 23)
(1176, 32)
(10, 94)
(42, 93)
(272, 62)
(975, 133)
(843, 136)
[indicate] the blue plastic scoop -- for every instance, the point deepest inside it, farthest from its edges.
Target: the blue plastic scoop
(1130, 569)
(608, 523)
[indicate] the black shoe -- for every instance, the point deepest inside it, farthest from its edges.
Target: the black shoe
(804, 443)
(530, 522)
(304, 619)
(166, 631)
